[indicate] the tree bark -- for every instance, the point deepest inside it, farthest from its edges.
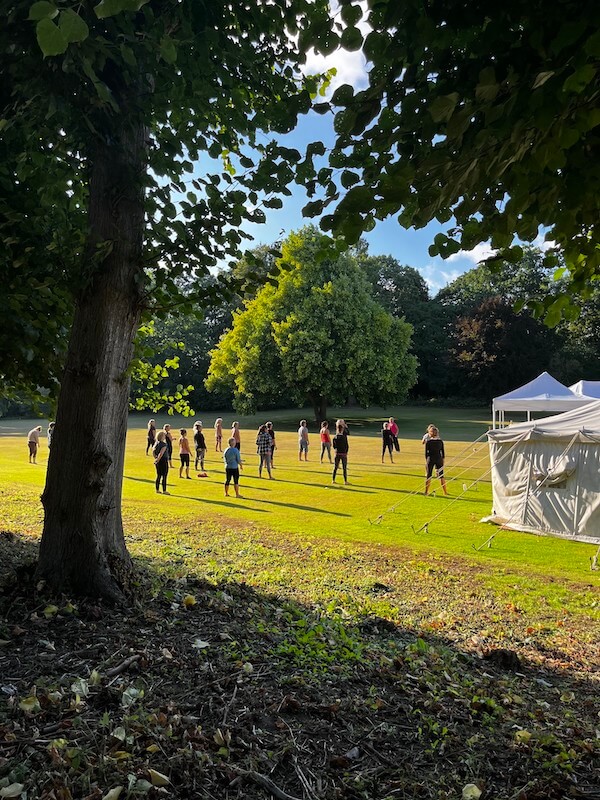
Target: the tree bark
(83, 546)
(319, 405)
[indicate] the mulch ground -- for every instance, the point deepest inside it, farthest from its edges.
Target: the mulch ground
(201, 690)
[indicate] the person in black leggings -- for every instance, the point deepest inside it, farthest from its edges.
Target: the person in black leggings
(161, 461)
(340, 446)
(434, 458)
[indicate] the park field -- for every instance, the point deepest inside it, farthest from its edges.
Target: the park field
(382, 509)
(305, 641)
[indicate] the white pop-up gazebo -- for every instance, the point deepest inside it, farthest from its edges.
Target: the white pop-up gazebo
(543, 393)
(589, 389)
(546, 475)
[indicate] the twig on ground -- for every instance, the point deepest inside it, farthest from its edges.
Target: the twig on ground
(266, 783)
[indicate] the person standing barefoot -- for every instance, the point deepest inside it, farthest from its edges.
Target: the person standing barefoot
(302, 440)
(233, 465)
(387, 442)
(200, 445)
(218, 435)
(33, 442)
(169, 441)
(340, 446)
(151, 435)
(184, 454)
(434, 458)
(325, 441)
(271, 432)
(263, 448)
(235, 434)
(160, 451)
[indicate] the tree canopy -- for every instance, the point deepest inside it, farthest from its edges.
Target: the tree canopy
(318, 335)
(484, 112)
(105, 110)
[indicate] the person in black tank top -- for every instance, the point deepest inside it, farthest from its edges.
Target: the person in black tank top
(434, 458)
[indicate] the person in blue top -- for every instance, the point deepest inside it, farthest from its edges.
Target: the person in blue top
(233, 465)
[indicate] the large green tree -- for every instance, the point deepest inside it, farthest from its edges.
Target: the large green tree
(318, 335)
(109, 105)
(485, 112)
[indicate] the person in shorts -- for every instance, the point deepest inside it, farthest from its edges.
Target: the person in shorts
(233, 465)
(33, 442)
(302, 440)
(184, 454)
(200, 445)
(434, 458)
(218, 435)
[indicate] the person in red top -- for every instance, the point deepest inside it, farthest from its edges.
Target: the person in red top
(325, 441)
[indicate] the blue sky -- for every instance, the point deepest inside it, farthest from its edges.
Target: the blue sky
(409, 247)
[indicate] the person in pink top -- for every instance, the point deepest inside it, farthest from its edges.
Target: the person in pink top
(394, 430)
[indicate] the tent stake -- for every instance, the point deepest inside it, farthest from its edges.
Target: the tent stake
(487, 542)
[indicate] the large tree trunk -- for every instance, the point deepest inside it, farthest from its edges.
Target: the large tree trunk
(319, 405)
(83, 547)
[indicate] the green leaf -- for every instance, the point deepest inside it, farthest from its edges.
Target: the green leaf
(351, 14)
(73, 26)
(51, 39)
(443, 107)
(42, 10)
(352, 39)
(541, 79)
(108, 8)
(168, 51)
(577, 82)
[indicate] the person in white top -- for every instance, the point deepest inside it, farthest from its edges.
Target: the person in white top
(33, 441)
(302, 440)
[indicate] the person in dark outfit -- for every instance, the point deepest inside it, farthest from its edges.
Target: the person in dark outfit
(434, 458)
(151, 435)
(160, 452)
(340, 446)
(387, 442)
(200, 444)
(271, 432)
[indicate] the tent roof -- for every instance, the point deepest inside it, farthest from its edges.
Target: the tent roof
(543, 393)
(583, 422)
(586, 388)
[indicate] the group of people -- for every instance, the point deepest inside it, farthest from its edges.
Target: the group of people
(33, 441)
(161, 444)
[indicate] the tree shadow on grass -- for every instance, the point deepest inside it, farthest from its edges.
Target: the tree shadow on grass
(352, 698)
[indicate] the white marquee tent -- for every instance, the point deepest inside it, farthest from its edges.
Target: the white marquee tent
(543, 393)
(586, 389)
(546, 474)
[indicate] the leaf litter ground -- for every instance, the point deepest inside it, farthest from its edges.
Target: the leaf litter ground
(254, 667)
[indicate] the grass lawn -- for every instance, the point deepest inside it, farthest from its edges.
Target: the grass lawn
(382, 508)
(306, 641)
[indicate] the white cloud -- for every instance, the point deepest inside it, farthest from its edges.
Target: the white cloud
(477, 254)
(351, 67)
(436, 277)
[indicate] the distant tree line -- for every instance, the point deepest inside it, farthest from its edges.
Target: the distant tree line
(472, 341)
